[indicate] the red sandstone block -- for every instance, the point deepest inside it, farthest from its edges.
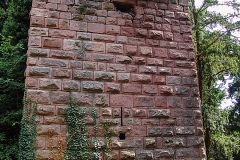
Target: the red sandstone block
(85, 99)
(186, 46)
(165, 90)
(167, 44)
(174, 102)
(89, 65)
(78, 26)
(35, 41)
(139, 60)
(141, 78)
(121, 22)
(37, 21)
(122, 39)
(62, 7)
(64, 24)
(96, 28)
(53, 14)
(84, 35)
(62, 33)
(149, 18)
(159, 79)
(116, 67)
(164, 71)
(42, 97)
(120, 100)
(31, 82)
(168, 36)
(49, 84)
(146, 51)
(161, 101)
(101, 20)
(39, 12)
(150, 11)
(75, 64)
(154, 61)
(111, 20)
(62, 73)
(148, 69)
(53, 120)
(83, 75)
(123, 77)
(104, 76)
(101, 66)
(173, 80)
(186, 28)
(150, 89)
(38, 71)
(51, 6)
(127, 31)
(37, 31)
(130, 50)
(94, 46)
(103, 38)
(143, 101)
(114, 48)
(32, 61)
(184, 72)
(152, 42)
(62, 54)
(136, 41)
(141, 32)
(70, 85)
(65, 15)
(148, 25)
(114, 88)
(52, 42)
(116, 14)
(123, 59)
(132, 88)
(175, 7)
(103, 57)
(100, 99)
(90, 18)
(102, 13)
(53, 62)
(60, 97)
(112, 29)
(51, 22)
(178, 54)
(36, 4)
(168, 63)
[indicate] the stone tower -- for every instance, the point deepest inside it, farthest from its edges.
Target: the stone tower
(137, 54)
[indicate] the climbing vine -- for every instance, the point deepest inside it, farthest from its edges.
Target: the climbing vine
(108, 132)
(28, 132)
(77, 141)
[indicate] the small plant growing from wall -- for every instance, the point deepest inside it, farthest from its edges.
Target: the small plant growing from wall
(28, 132)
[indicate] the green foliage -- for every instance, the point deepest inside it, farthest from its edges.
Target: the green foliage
(28, 133)
(14, 24)
(77, 142)
(11, 93)
(217, 54)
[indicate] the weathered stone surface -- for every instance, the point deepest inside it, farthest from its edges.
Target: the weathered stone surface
(131, 60)
(159, 113)
(92, 86)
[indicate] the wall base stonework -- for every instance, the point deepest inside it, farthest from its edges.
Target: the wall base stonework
(137, 54)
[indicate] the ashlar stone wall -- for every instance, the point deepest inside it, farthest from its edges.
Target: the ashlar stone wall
(138, 54)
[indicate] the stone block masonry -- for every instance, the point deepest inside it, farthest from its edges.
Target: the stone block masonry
(138, 54)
